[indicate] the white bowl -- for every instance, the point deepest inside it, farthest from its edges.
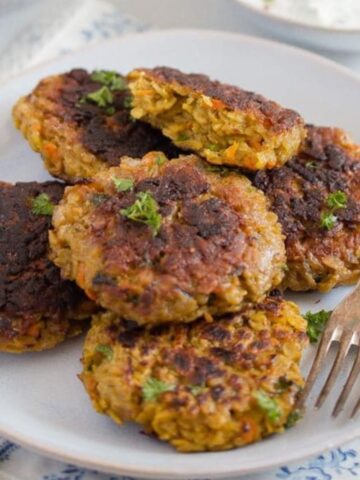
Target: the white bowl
(297, 31)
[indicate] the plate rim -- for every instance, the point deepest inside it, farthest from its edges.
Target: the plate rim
(298, 50)
(41, 447)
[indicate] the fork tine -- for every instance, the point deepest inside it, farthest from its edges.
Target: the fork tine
(338, 364)
(322, 350)
(356, 409)
(348, 385)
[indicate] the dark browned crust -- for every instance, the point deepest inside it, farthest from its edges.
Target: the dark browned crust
(109, 137)
(298, 191)
(230, 341)
(30, 285)
(277, 118)
(205, 242)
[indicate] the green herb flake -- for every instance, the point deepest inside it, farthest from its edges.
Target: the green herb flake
(337, 200)
(123, 184)
(110, 79)
(312, 165)
(328, 220)
(196, 389)
(153, 388)
(268, 405)
(160, 160)
(222, 171)
(144, 210)
(316, 323)
(213, 147)
(42, 205)
(293, 418)
(98, 198)
(128, 101)
(106, 350)
(110, 111)
(102, 97)
(283, 384)
(182, 137)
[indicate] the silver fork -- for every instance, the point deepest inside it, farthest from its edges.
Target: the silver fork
(342, 329)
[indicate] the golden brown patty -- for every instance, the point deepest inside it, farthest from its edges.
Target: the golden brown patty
(223, 123)
(75, 136)
(317, 199)
(183, 240)
(200, 386)
(37, 308)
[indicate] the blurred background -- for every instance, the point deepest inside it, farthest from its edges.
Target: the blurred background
(34, 31)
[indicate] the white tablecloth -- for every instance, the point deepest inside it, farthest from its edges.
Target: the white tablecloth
(37, 31)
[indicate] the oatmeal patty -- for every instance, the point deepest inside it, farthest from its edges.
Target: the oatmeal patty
(208, 385)
(223, 123)
(317, 199)
(80, 123)
(158, 241)
(37, 308)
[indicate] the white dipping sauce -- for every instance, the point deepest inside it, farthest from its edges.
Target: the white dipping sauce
(325, 13)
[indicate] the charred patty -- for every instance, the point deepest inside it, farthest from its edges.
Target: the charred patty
(317, 199)
(80, 123)
(158, 241)
(208, 385)
(223, 123)
(37, 308)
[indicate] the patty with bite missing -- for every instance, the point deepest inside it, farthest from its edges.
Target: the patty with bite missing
(220, 122)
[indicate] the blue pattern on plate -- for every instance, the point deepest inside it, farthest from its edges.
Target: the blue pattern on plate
(338, 464)
(324, 467)
(6, 449)
(71, 472)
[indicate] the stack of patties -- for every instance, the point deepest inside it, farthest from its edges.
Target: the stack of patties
(181, 253)
(184, 254)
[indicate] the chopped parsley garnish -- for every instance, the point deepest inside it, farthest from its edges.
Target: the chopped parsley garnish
(160, 160)
(337, 200)
(106, 350)
(293, 418)
(334, 201)
(283, 384)
(328, 220)
(268, 405)
(313, 165)
(98, 198)
(153, 388)
(144, 210)
(42, 205)
(128, 102)
(123, 184)
(213, 147)
(102, 97)
(316, 323)
(182, 137)
(110, 79)
(110, 111)
(222, 171)
(196, 389)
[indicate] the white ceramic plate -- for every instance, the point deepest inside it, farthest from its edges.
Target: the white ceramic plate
(300, 32)
(42, 403)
